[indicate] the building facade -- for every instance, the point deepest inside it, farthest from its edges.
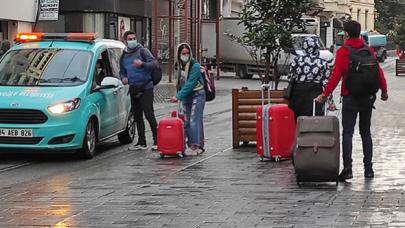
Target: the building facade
(16, 17)
(337, 11)
(363, 11)
(232, 8)
(108, 18)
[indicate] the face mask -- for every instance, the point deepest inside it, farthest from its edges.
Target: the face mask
(184, 58)
(132, 44)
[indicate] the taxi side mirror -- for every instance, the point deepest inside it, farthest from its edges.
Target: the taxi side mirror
(109, 83)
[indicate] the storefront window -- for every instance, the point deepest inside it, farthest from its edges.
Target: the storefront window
(94, 22)
(3, 30)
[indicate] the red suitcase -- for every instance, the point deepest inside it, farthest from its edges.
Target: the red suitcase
(275, 130)
(182, 117)
(170, 137)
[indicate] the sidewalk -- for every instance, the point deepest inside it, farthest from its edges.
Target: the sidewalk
(222, 188)
(164, 90)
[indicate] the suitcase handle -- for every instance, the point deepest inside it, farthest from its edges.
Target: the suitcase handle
(179, 109)
(263, 87)
(313, 108)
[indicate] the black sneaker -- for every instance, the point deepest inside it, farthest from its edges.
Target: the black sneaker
(369, 173)
(346, 174)
(202, 150)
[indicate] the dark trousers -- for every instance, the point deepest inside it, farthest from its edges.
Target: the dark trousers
(349, 116)
(302, 99)
(144, 105)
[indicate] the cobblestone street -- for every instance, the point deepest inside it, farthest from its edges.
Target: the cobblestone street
(221, 188)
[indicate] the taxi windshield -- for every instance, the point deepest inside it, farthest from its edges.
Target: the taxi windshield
(44, 67)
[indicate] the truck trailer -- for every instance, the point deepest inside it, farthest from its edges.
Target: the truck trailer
(235, 58)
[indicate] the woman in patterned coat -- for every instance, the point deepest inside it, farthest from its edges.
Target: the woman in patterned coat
(309, 73)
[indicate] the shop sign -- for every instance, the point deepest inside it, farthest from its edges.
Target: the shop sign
(48, 10)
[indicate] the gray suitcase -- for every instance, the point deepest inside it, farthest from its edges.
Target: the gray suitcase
(317, 153)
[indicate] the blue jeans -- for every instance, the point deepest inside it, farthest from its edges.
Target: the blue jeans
(194, 110)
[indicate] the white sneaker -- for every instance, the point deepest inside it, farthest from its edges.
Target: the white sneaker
(138, 147)
(190, 151)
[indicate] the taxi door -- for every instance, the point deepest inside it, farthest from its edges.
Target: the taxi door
(106, 99)
(122, 93)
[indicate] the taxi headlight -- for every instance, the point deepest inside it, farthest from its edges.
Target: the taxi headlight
(65, 106)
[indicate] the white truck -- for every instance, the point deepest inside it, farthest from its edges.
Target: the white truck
(235, 58)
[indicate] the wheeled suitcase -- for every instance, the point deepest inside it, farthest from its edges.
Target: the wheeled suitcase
(170, 136)
(183, 117)
(316, 156)
(275, 130)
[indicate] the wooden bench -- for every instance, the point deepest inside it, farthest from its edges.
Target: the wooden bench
(400, 67)
(244, 104)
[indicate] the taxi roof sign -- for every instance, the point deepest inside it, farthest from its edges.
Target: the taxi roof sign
(32, 37)
(28, 37)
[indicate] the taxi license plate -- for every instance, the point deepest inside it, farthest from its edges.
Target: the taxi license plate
(7, 132)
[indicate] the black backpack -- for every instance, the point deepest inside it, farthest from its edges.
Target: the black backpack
(363, 75)
(156, 74)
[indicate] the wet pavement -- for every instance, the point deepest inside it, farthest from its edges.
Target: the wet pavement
(221, 188)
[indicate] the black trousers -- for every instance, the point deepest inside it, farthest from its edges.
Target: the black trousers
(353, 107)
(302, 99)
(143, 104)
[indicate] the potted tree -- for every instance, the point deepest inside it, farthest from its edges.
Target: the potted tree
(268, 28)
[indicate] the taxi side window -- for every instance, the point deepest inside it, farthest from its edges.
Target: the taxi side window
(115, 56)
(103, 68)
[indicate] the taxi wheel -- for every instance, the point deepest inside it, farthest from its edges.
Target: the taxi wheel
(128, 135)
(89, 142)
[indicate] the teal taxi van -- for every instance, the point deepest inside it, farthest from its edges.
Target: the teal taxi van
(63, 92)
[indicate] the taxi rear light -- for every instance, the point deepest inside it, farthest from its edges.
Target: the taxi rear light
(27, 37)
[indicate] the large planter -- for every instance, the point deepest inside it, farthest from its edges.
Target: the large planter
(400, 67)
(244, 104)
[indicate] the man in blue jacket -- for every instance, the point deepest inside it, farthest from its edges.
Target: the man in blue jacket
(136, 65)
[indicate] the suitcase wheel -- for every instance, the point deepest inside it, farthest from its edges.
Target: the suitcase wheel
(180, 155)
(277, 159)
(261, 159)
(162, 155)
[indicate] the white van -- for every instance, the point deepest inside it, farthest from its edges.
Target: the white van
(286, 56)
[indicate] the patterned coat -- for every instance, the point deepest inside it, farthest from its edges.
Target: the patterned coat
(309, 67)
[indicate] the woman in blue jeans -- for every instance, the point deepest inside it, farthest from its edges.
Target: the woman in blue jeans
(190, 92)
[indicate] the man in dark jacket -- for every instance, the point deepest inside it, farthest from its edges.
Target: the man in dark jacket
(4, 46)
(353, 105)
(136, 65)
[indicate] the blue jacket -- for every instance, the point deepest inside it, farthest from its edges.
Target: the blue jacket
(137, 76)
(194, 79)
